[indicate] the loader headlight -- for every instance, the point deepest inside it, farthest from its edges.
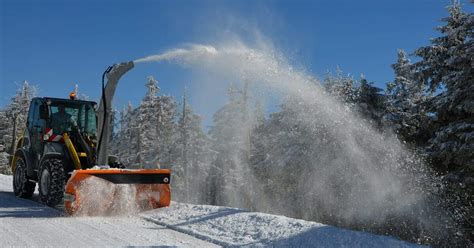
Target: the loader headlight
(166, 180)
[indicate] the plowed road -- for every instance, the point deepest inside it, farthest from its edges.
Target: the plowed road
(28, 223)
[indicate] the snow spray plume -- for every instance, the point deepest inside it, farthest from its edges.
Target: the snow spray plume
(352, 173)
(175, 55)
(101, 198)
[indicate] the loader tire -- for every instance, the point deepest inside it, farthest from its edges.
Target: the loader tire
(22, 186)
(51, 181)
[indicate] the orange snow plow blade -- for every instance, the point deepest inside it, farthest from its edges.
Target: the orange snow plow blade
(96, 191)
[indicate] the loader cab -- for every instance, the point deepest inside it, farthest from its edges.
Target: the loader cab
(49, 118)
(61, 115)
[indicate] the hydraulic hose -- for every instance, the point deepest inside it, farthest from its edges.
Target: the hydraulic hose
(105, 106)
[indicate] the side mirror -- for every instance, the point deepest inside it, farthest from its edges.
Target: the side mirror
(44, 112)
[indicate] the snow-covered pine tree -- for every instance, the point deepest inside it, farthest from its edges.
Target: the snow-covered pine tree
(15, 114)
(361, 96)
(148, 116)
(231, 143)
(406, 102)
(180, 154)
(292, 147)
(126, 140)
(370, 102)
(17, 111)
(145, 137)
(152, 127)
(341, 87)
(165, 128)
(447, 65)
(4, 132)
(191, 157)
(4, 163)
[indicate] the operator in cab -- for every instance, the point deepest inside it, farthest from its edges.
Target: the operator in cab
(61, 121)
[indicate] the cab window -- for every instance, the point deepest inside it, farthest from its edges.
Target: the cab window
(31, 113)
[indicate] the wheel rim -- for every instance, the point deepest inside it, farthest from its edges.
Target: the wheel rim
(45, 177)
(19, 174)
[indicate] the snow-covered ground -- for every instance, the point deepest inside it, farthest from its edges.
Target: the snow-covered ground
(235, 227)
(25, 223)
(28, 223)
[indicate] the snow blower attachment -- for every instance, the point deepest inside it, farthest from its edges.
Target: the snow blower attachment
(151, 189)
(152, 185)
(67, 140)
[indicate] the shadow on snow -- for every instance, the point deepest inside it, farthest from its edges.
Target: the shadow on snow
(14, 207)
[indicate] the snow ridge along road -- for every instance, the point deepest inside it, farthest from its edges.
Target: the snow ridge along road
(28, 223)
(231, 227)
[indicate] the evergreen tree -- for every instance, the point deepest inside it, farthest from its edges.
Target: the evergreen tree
(16, 112)
(370, 102)
(406, 102)
(191, 157)
(146, 133)
(231, 137)
(341, 87)
(165, 128)
(126, 147)
(126, 138)
(5, 134)
(361, 97)
(281, 154)
(4, 163)
(147, 119)
(447, 64)
(13, 122)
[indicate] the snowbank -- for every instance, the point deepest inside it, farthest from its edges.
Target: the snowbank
(234, 227)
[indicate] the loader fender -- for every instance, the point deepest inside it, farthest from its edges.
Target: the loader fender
(19, 146)
(25, 154)
(58, 150)
(51, 155)
(53, 148)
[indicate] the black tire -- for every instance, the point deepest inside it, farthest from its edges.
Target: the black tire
(22, 186)
(51, 181)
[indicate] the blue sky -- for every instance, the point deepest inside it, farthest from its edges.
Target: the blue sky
(57, 44)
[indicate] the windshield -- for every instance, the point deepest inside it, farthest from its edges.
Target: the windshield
(65, 115)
